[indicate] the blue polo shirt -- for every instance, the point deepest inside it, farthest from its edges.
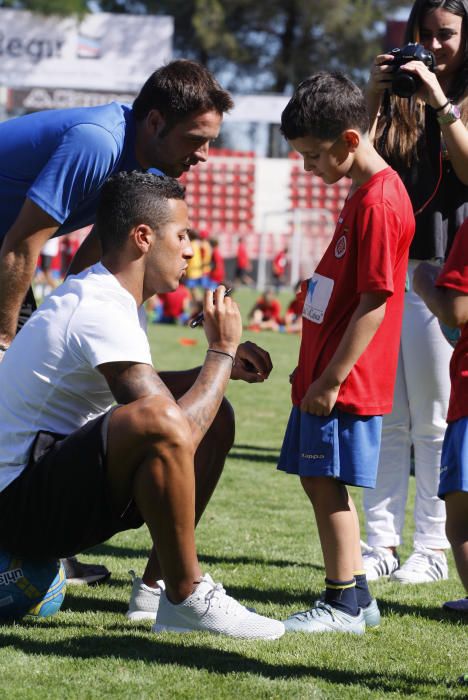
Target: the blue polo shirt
(60, 159)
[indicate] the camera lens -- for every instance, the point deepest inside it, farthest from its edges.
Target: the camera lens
(404, 84)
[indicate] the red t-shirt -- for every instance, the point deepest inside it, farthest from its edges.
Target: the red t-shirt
(173, 302)
(279, 263)
(270, 309)
(368, 253)
(243, 262)
(217, 273)
(296, 306)
(455, 276)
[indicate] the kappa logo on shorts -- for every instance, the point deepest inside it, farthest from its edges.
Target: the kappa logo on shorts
(341, 245)
(443, 469)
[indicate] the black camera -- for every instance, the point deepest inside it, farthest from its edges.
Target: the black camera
(405, 84)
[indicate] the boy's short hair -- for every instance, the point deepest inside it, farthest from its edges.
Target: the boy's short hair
(181, 88)
(323, 106)
(128, 199)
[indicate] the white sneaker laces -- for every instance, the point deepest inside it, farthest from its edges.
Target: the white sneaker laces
(218, 595)
(320, 608)
(420, 558)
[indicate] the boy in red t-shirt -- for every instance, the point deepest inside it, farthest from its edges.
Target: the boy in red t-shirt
(351, 327)
(293, 315)
(265, 313)
(243, 264)
(446, 295)
(278, 267)
(175, 305)
(218, 272)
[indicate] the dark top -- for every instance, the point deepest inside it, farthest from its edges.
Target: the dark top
(437, 224)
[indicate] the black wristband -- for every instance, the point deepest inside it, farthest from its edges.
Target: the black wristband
(4, 348)
(221, 352)
(439, 109)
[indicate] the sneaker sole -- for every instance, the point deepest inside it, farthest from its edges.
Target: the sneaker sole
(408, 582)
(169, 628)
(88, 581)
(378, 578)
(327, 630)
(136, 616)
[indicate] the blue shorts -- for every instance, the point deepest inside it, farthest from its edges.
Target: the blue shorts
(454, 460)
(342, 446)
(192, 283)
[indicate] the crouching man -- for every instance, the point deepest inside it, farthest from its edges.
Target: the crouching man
(74, 468)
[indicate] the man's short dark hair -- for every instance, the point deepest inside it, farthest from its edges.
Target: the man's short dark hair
(179, 89)
(130, 199)
(323, 106)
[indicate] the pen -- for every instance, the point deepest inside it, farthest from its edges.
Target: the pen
(199, 317)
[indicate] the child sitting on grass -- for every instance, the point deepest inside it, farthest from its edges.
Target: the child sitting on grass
(351, 327)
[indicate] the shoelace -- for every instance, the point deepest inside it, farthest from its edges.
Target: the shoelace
(420, 558)
(378, 554)
(314, 612)
(218, 595)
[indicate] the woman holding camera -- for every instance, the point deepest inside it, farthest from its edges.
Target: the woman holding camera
(425, 139)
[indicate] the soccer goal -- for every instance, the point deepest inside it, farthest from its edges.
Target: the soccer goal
(306, 232)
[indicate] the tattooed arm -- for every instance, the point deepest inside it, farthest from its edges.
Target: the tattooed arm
(200, 398)
(203, 387)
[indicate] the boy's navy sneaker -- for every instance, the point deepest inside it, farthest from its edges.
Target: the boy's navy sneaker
(459, 606)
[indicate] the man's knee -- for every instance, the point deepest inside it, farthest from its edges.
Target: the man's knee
(222, 429)
(157, 421)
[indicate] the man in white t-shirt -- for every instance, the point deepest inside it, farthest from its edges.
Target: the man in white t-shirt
(74, 467)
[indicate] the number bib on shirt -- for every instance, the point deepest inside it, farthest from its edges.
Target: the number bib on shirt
(319, 292)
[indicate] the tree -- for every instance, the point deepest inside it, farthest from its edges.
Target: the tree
(260, 46)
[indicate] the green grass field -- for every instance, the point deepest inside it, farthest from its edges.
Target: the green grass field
(257, 537)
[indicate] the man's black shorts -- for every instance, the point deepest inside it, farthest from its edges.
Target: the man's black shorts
(60, 505)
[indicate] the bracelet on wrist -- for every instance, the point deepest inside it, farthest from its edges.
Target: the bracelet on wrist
(439, 109)
(3, 348)
(221, 352)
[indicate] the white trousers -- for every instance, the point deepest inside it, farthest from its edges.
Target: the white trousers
(420, 404)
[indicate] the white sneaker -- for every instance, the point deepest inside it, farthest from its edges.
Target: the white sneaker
(323, 617)
(210, 609)
(423, 566)
(144, 600)
(378, 561)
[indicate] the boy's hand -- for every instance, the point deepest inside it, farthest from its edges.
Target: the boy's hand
(252, 363)
(320, 398)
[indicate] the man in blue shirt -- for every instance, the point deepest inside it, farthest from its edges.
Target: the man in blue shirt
(53, 165)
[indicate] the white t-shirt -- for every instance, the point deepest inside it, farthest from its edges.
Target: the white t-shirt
(51, 248)
(48, 377)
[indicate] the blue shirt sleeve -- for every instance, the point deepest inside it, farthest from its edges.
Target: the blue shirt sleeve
(80, 164)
